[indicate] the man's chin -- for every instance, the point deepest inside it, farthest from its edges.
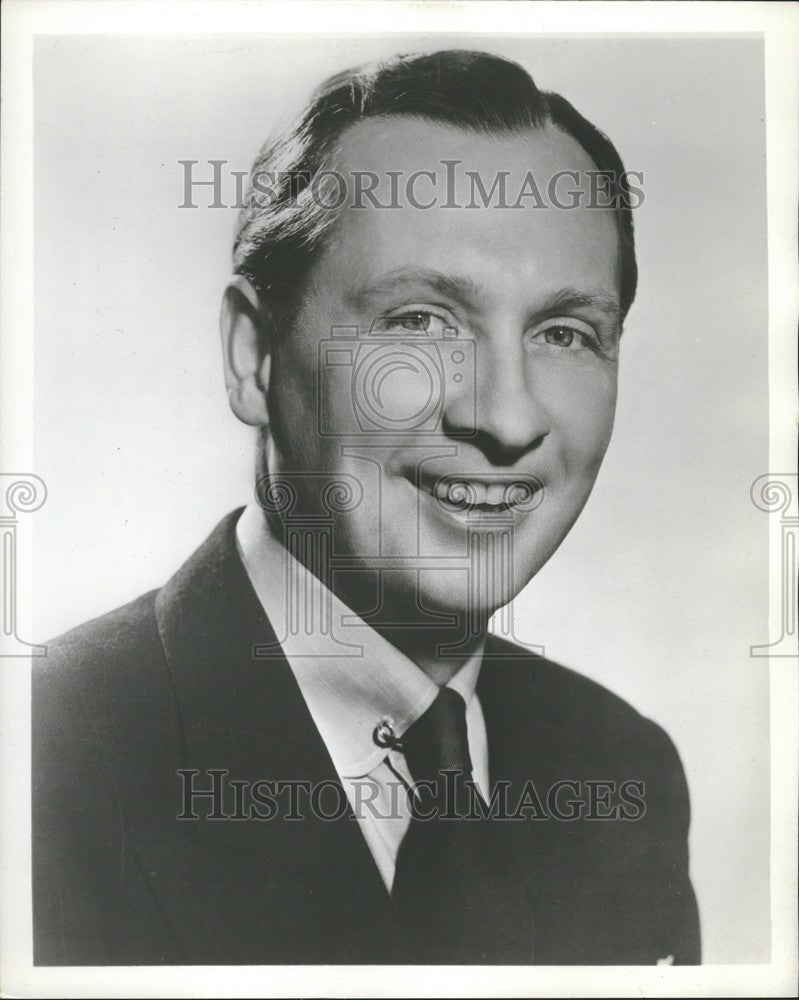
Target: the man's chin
(460, 594)
(468, 599)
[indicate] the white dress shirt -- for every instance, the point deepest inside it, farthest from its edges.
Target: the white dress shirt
(352, 679)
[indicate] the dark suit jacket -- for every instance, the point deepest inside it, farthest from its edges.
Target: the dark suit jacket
(170, 682)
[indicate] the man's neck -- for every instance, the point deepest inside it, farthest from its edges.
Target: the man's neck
(439, 643)
(439, 650)
(432, 650)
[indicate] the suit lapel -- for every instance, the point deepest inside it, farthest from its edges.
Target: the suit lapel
(246, 716)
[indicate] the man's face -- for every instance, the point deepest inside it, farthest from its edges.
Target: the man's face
(485, 359)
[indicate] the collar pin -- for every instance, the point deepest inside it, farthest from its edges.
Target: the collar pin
(385, 736)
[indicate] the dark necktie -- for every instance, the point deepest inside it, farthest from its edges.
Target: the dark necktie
(456, 902)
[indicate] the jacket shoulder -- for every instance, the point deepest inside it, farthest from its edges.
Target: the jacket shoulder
(112, 632)
(101, 691)
(104, 660)
(573, 709)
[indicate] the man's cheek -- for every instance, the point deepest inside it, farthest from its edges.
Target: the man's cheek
(584, 440)
(589, 421)
(593, 438)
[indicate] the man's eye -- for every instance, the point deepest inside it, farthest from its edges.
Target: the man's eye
(560, 336)
(416, 321)
(568, 336)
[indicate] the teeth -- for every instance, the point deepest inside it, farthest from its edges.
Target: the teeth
(440, 491)
(496, 493)
(467, 493)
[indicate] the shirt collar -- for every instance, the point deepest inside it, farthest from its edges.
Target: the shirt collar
(349, 675)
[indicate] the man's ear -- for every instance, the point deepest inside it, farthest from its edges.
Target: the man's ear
(247, 336)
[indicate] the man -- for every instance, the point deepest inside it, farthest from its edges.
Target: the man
(306, 747)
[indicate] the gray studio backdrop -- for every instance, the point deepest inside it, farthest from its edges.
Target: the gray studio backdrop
(659, 591)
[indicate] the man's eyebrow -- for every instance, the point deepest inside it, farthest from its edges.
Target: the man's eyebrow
(452, 286)
(573, 298)
(466, 291)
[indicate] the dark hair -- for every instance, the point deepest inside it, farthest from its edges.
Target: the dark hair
(278, 238)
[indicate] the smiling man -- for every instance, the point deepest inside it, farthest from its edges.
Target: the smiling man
(306, 747)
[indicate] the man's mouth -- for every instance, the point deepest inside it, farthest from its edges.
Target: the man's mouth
(484, 493)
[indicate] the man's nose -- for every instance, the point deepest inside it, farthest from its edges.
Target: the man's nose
(503, 410)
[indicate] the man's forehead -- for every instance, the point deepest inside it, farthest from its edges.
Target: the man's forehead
(460, 220)
(402, 143)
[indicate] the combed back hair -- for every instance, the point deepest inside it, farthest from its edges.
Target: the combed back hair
(279, 237)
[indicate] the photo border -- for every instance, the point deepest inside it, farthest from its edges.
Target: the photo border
(22, 20)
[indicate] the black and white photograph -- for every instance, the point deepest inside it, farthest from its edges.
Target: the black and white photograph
(399, 499)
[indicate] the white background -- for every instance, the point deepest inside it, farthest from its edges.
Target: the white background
(662, 586)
